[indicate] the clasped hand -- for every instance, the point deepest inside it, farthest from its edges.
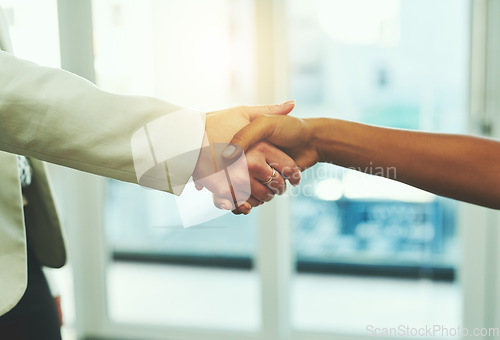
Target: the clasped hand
(252, 179)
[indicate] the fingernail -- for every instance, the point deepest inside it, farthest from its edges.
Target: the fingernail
(229, 151)
(299, 174)
(225, 206)
(288, 103)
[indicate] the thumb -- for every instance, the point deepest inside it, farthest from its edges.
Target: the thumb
(260, 129)
(272, 110)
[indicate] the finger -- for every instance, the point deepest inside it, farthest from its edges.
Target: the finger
(198, 186)
(253, 203)
(267, 181)
(244, 207)
(258, 130)
(295, 176)
(275, 182)
(305, 161)
(223, 203)
(277, 109)
(260, 191)
(284, 164)
(277, 185)
(259, 168)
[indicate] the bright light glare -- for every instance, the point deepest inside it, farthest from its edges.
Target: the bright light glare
(328, 189)
(357, 185)
(33, 28)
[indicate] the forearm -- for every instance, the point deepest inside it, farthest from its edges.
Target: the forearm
(61, 118)
(461, 167)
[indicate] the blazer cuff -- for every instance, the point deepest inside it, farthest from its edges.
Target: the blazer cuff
(165, 151)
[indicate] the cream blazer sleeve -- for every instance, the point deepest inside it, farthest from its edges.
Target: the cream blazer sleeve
(58, 117)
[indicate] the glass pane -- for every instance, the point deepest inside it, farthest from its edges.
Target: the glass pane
(34, 30)
(371, 251)
(197, 54)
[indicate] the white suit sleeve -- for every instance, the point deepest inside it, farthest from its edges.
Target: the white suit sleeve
(58, 117)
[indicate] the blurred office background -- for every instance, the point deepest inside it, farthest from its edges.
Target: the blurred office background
(339, 253)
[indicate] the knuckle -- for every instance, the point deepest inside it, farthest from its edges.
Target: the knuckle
(295, 177)
(288, 171)
(253, 201)
(269, 197)
(270, 108)
(276, 184)
(252, 164)
(262, 194)
(261, 147)
(268, 194)
(237, 139)
(280, 187)
(275, 165)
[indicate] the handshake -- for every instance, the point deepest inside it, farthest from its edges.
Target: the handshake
(245, 161)
(249, 153)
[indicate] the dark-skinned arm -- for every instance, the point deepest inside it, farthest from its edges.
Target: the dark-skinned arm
(462, 167)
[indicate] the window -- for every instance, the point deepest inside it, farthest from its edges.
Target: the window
(358, 255)
(34, 31)
(192, 53)
(387, 249)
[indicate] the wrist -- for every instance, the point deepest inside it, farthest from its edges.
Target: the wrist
(320, 130)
